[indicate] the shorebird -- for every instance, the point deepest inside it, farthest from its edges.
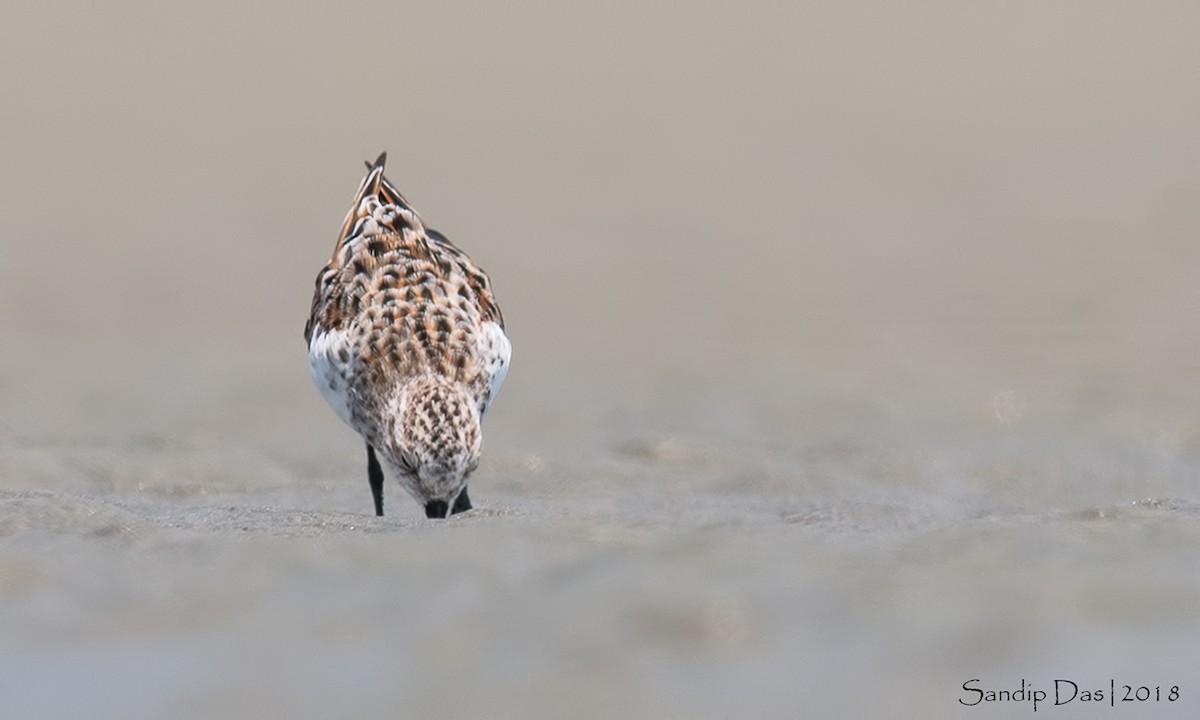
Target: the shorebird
(407, 344)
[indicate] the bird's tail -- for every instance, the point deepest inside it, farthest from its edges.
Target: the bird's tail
(388, 194)
(374, 191)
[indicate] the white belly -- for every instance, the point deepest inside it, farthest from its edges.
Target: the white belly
(496, 353)
(329, 372)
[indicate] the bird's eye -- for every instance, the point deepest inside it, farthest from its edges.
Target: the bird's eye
(409, 461)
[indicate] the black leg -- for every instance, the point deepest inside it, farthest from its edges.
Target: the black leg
(462, 504)
(375, 476)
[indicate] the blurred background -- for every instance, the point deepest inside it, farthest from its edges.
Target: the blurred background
(855, 357)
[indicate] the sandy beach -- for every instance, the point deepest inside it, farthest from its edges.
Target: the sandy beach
(856, 362)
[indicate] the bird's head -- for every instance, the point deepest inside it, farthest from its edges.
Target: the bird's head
(434, 442)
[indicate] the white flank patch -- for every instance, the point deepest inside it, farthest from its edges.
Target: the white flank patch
(329, 373)
(496, 351)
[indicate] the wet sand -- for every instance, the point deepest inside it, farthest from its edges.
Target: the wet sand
(855, 358)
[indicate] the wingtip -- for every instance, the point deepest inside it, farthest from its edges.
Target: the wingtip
(379, 162)
(371, 185)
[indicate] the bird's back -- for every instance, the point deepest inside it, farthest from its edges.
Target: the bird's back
(397, 302)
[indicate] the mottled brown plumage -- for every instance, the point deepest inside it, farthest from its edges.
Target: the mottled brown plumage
(407, 344)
